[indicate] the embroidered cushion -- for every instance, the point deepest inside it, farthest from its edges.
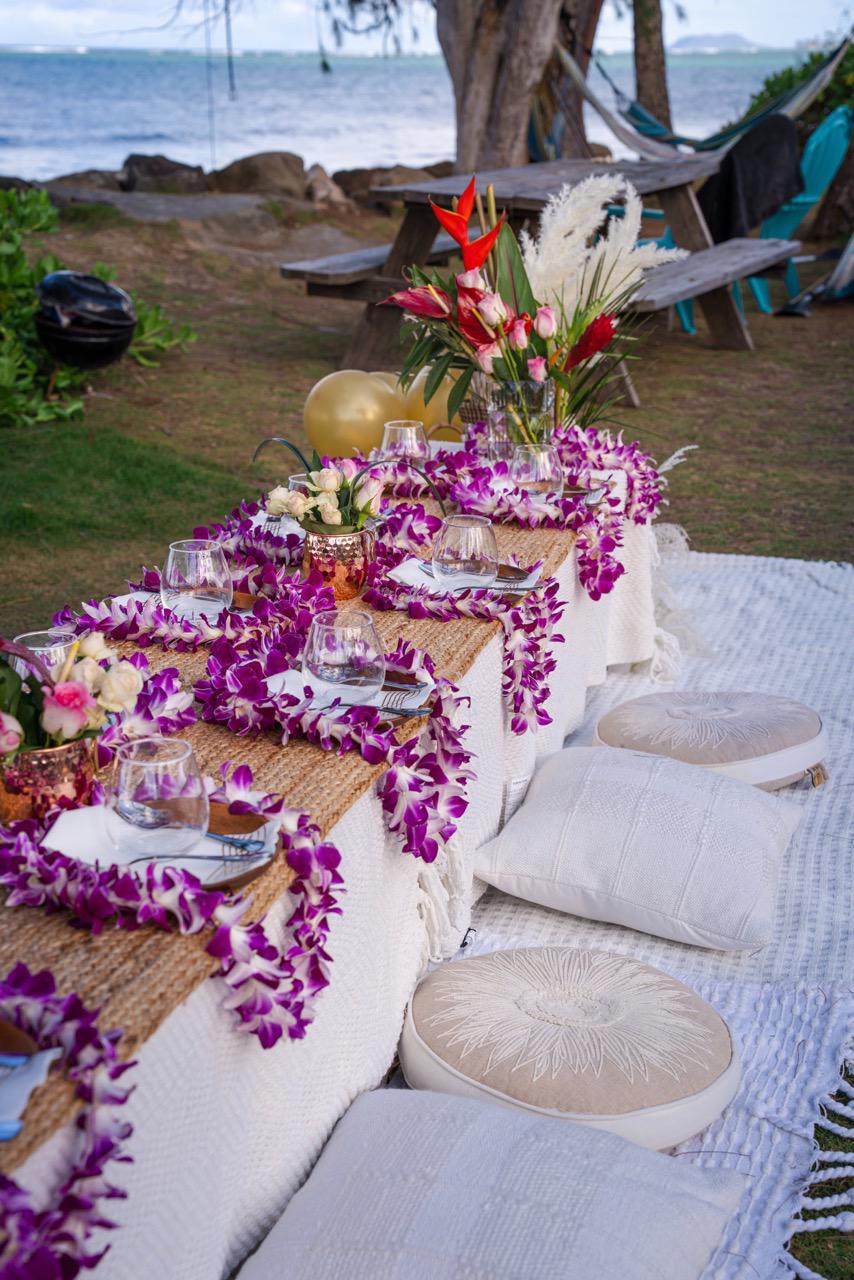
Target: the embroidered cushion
(646, 842)
(756, 737)
(600, 1039)
(422, 1186)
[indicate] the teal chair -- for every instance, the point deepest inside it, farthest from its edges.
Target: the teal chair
(823, 154)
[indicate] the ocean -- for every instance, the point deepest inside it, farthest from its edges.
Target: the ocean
(66, 110)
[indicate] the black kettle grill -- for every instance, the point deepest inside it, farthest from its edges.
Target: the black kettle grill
(82, 320)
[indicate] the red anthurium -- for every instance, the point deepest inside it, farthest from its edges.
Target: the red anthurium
(425, 300)
(594, 339)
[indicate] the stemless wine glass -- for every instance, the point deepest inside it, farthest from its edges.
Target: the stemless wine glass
(156, 801)
(298, 483)
(196, 582)
(343, 657)
(465, 553)
(53, 647)
(538, 470)
(405, 439)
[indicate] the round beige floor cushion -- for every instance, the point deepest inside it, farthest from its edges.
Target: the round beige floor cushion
(759, 738)
(599, 1039)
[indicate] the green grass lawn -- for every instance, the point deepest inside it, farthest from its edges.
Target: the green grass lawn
(84, 505)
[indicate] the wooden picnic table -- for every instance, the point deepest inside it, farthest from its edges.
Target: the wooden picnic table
(523, 193)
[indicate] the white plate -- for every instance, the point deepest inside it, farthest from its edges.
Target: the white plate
(82, 834)
(413, 574)
(294, 682)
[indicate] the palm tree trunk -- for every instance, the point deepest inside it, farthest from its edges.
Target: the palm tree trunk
(650, 65)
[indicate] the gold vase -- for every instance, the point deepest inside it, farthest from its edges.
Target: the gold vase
(342, 559)
(37, 781)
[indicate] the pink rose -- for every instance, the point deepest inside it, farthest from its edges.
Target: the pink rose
(349, 467)
(66, 709)
(487, 354)
(471, 280)
(545, 322)
(492, 310)
(519, 330)
(11, 733)
(537, 369)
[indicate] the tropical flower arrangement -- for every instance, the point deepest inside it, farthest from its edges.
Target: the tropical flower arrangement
(64, 704)
(533, 310)
(337, 499)
(55, 1240)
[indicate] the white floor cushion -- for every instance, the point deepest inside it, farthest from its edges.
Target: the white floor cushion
(647, 842)
(420, 1186)
(758, 738)
(598, 1039)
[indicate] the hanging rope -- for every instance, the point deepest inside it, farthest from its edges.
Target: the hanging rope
(229, 49)
(209, 83)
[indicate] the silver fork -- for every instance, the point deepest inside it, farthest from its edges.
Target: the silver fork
(247, 855)
(392, 700)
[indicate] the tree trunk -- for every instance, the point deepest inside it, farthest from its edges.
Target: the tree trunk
(496, 51)
(650, 65)
(576, 32)
(834, 217)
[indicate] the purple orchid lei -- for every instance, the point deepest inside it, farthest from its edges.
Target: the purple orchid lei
(423, 789)
(52, 1243)
(270, 990)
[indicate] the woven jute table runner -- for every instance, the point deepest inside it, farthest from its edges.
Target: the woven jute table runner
(137, 978)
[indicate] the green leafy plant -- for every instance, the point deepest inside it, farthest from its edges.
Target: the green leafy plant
(33, 389)
(839, 93)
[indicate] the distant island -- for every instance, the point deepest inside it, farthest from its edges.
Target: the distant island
(728, 42)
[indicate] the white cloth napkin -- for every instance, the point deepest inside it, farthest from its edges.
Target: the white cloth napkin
(294, 682)
(412, 574)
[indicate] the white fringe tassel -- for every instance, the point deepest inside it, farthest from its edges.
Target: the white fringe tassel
(838, 1165)
(442, 903)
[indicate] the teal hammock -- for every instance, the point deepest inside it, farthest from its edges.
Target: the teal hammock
(791, 103)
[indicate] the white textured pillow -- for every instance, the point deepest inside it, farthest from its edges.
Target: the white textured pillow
(648, 842)
(424, 1186)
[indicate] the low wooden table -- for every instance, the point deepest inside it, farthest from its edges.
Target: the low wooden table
(523, 193)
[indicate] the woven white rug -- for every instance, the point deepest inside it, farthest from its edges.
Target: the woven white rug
(787, 627)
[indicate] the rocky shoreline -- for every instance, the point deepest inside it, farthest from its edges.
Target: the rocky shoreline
(277, 175)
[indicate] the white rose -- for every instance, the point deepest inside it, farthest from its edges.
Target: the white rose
(369, 495)
(326, 481)
(298, 505)
(120, 687)
(88, 672)
(93, 646)
(329, 515)
(277, 501)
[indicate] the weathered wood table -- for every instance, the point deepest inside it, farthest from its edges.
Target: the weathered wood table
(523, 193)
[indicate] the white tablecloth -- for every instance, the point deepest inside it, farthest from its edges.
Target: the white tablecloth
(224, 1132)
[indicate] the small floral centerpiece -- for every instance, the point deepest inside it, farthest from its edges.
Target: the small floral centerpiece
(50, 719)
(536, 317)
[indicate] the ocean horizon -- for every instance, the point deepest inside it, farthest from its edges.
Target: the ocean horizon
(99, 105)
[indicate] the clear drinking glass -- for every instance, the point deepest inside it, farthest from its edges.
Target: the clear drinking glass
(298, 483)
(156, 802)
(53, 647)
(405, 438)
(518, 413)
(465, 553)
(344, 657)
(196, 582)
(538, 470)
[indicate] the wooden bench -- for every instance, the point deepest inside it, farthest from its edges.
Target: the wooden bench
(358, 274)
(709, 269)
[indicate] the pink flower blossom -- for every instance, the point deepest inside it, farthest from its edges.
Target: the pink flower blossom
(66, 709)
(492, 310)
(545, 322)
(519, 330)
(537, 369)
(471, 280)
(11, 733)
(486, 355)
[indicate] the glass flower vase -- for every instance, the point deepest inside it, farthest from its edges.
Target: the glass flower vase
(518, 413)
(341, 557)
(35, 782)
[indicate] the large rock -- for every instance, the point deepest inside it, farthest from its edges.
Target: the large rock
(8, 183)
(96, 179)
(321, 189)
(160, 174)
(357, 183)
(268, 173)
(441, 169)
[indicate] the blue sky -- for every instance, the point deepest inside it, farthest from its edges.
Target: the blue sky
(290, 24)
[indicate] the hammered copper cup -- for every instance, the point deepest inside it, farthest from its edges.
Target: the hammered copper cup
(341, 559)
(37, 781)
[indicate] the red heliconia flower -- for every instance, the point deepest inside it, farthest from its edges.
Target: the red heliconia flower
(423, 301)
(598, 334)
(456, 223)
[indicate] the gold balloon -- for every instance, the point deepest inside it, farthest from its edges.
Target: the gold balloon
(346, 411)
(436, 410)
(390, 380)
